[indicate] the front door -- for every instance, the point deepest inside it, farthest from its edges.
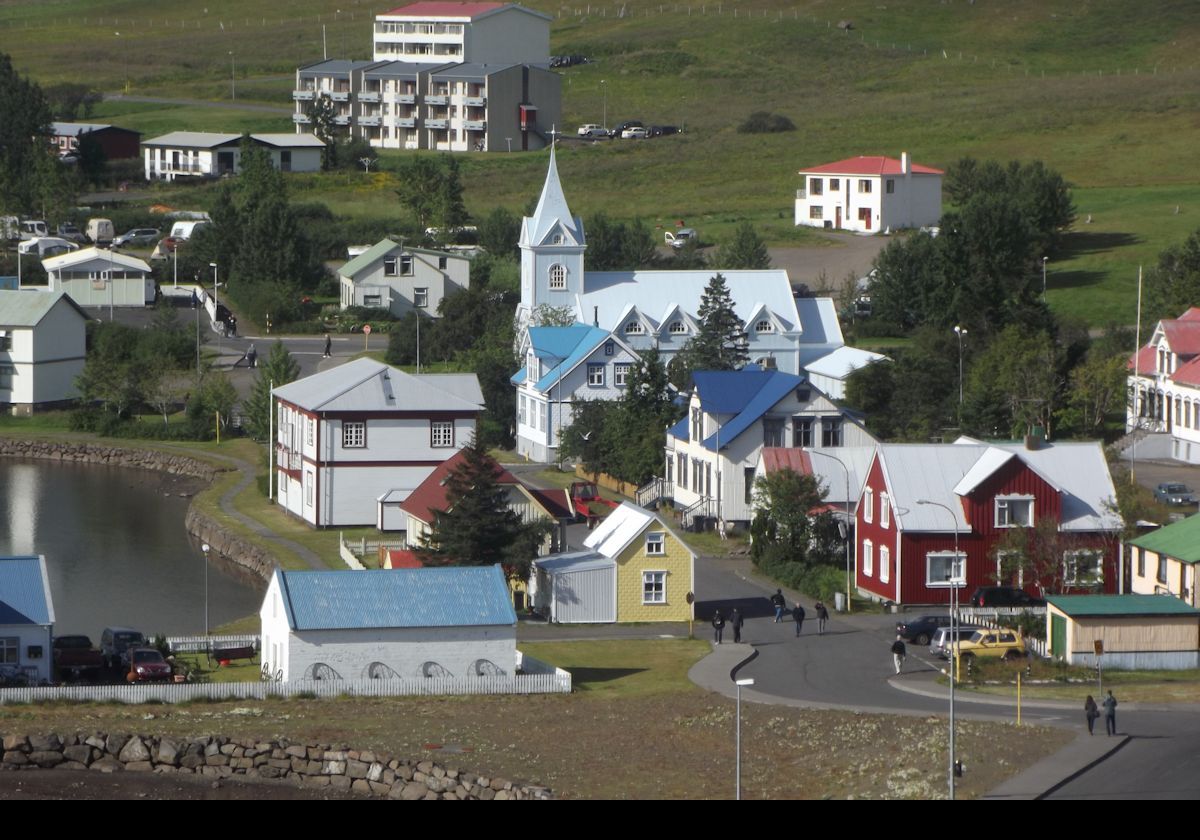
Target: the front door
(838, 222)
(864, 216)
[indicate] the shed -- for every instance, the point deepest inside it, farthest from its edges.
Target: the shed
(26, 618)
(1138, 631)
(388, 623)
(576, 588)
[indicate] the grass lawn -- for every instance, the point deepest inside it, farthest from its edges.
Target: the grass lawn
(207, 670)
(636, 729)
(1049, 681)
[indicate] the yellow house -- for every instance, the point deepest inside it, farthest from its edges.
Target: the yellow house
(633, 568)
(1164, 562)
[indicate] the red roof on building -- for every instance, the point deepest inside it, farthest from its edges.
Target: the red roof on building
(1188, 374)
(400, 558)
(430, 495)
(775, 458)
(1146, 359)
(869, 165)
(1192, 314)
(443, 9)
(556, 502)
(1183, 334)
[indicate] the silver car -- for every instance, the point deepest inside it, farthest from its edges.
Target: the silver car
(939, 646)
(138, 236)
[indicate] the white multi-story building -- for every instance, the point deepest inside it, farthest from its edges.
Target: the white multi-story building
(350, 435)
(868, 194)
(450, 32)
(1165, 381)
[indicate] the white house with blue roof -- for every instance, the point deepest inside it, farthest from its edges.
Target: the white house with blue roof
(562, 365)
(26, 618)
(453, 621)
(711, 455)
(661, 308)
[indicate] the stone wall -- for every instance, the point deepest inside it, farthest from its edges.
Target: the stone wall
(316, 765)
(227, 544)
(91, 453)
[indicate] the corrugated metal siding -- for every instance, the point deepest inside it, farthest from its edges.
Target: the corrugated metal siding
(878, 536)
(1137, 634)
(587, 596)
(24, 595)
(1012, 479)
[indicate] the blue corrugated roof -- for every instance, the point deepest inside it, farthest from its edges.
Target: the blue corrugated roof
(458, 596)
(748, 394)
(564, 347)
(24, 591)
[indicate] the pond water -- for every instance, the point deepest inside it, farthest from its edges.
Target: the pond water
(116, 549)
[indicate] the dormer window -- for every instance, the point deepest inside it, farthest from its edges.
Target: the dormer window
(634, 328)
(556, 239)
(764, 326)
(678, 328)
(558, 277)
(1014, 511)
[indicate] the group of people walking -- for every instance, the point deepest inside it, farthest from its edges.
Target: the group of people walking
(736, 620)
(1091, 711)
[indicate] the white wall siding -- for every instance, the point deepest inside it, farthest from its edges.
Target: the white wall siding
(349, 495)
(351, 653)
(583, 597)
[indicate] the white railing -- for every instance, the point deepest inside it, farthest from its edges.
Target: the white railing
(557, 682)
(200, 644)
(348, 556)
(351, 551)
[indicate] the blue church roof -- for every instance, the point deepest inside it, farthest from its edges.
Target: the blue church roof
(25, 591)
(563, 348)
(747, 394)
(451, 596)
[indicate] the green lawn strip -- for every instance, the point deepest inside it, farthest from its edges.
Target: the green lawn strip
(249, 624)
(1050, 681)
(204, 669)
(623, 667)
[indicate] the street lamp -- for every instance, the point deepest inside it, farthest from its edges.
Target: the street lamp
(748, 681)
(846, 470)
(960, 332)
(232, 77)
(604, 89)
(205, 549)
(1044, 278)
(955, 582)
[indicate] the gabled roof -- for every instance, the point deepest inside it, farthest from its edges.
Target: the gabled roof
(401, 558)
(430, 496)
(989, 462)
(467, 10)
(1183, 336)
(381, 249)
(27, 307)
(367, 385)
(563, 349)
(552, 210)
(747, 394)
(25, 591)
(760, 312)
(621, 527)
(1186, 374)
(848, 471)
(73, 129)
(869, 165)
(86, 255)
(843, 361)
(776, 458)
(1145, 359)
(1179, 540)
(211, 140)
(1118, 606)
(449, 596)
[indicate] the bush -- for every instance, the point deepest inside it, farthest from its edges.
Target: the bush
(761, 122)
(818, 582)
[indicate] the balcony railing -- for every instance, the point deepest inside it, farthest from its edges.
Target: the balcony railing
(341, 119)
(437, 99)
(475, 101)
(368, 96)
(300, 118)
(406, 122)
(369, 120)
(339, 95)
(475, 125)
(437, 123)
(303, 95)
(406, 98)
(182, 166)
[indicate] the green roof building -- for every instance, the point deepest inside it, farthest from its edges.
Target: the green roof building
(1127, 631)
(1164, 562)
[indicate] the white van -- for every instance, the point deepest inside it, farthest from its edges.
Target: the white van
(100, 231)
(31, 229)
(184, 231)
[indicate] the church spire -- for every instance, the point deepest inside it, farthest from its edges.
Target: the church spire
(552, 210)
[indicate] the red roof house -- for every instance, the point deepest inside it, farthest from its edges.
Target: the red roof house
(867, 194)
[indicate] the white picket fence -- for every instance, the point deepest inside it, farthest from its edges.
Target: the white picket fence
(351, 551)
(200, 644)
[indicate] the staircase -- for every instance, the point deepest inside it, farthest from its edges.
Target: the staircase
(690, 517)
(654, 493)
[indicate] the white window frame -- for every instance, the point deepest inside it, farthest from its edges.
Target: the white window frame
(595, 375)
(310, 426)
(1003, 503)
(816, 213)
(391, 266)
(354, 434)
(406, 265)
(1000, 556)
(764, 326)
(421, 297)
(558, 277)
(654, 587)
(441, 433)
(885, 564)
(868, 558)
(656, 543)
(1071, 567)
(956, 560)
(885, 511)
(677, 328)
(864, 186)
(868, 505)
(309, 488)
(621, 374)
(635, 328)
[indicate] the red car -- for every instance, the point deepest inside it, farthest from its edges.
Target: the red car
(147, 665)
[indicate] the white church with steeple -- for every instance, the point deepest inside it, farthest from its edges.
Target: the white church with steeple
(619, 314)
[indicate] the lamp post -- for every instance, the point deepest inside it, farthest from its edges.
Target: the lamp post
(205, 549)
(604, 113)
(960, 332)
(748, 681)
(955, 583)
(1044, 259)
(846, 470)
(216, 309)
(232, 77)
(110, 284)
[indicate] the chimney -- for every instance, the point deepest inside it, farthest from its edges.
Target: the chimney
(905, 164)
(595, 316)
(1035, 439)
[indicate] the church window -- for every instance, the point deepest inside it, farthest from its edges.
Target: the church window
(558, 276)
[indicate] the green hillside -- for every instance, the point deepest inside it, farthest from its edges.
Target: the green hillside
(1106, 92)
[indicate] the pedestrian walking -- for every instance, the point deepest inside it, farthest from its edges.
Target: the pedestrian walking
(898, 653)
(328, 347)
(718, 623)
(252, 356)
(736, 621)
(822, 617)
(1091, 711)
(1110, 714)
(780, 603)
(798, 617)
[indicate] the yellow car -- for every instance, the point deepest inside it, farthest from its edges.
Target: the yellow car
(1000, 644)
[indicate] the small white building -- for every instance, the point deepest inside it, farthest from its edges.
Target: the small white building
(102, 277)
(868, 194)
(390, 276)
(43, 347)
(712, 454)
(203, 154)
(26, 618)
(351, 435)
(388, 624)
(829, 373)
(564, 365)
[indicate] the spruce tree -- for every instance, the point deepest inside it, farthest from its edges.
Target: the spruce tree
(279, 369)
(721, 342)
(746, 250)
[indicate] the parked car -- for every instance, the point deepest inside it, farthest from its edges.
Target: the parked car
(100, 231)
(73, 654)
(660, 130)
(921, 629)
(137, 237)
(993, 644)
(634, 132)
(1004, 596)
(592, 130)
(116, 642)
(621, 127)
(147, 665)
(1173, 493)
(940, 644)
(680, 237)
(71, 231)
(33, 228)
(46, 246)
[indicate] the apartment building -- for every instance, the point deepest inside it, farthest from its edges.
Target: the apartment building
(450, 32)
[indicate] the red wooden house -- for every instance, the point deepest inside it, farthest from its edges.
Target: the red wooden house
(1040, 516)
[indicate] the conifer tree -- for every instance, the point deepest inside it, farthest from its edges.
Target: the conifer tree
(279, 369)
(721, 342)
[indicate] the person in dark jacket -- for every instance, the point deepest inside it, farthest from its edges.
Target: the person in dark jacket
(718, 623)
(736, 621)
(1091, 711)
(798, 616)
(779, 603)
(328, 347)
(1110, 714)
(898, 653)
(822, 617)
